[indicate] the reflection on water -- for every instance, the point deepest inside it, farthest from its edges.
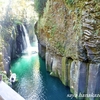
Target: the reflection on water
(29, 79)
(34, 83)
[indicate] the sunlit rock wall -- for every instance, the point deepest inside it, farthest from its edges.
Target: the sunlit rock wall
(70, 32)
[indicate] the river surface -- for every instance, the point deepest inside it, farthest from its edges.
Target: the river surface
(34, 82)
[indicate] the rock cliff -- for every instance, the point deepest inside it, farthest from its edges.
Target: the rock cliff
(68, 33)
(69, 37)
(14, 17)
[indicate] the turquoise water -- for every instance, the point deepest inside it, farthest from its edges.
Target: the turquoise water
(34, 83)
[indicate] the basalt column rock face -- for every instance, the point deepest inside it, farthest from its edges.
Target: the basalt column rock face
(42, 49)
(70, 30)
(91, 45)
(51, 34)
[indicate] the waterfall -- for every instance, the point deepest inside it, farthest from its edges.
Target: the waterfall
(27, 41)
(26, 37)
(23, 45)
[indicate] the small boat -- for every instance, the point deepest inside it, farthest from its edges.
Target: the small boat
(13, 78)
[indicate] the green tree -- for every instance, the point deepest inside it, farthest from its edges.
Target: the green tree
(39, 6)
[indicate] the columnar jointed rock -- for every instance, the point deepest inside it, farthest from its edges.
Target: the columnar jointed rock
(91, 46)
(72, 39)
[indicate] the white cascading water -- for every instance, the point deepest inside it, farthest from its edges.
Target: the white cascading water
(26, 37)
(29, 50)
(28, 46)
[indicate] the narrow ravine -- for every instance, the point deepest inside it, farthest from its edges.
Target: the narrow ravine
(34, 83)
(68, 35)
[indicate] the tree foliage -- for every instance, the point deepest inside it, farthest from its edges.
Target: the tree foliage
(15, 10)
(39, 6)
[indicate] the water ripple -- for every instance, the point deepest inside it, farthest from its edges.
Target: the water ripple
(34, 83)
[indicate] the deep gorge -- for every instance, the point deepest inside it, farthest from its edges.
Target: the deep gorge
(68, 34)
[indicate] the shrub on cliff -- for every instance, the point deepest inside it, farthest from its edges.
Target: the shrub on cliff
(4, 77)
(39, 6)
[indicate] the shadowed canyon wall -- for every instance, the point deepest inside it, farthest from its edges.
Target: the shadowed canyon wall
(13, 44)
(69, 37)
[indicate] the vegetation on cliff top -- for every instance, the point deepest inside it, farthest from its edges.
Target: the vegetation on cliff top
(39, 6)
(12, 11)
(4, 77)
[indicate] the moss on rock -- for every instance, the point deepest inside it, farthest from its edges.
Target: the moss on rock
(5, 78)
(64, 71)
